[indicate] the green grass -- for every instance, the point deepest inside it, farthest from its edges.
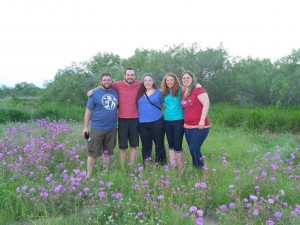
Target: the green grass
(226, 150)
(240, 139)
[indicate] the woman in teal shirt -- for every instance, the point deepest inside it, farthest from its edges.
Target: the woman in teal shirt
(172, 92)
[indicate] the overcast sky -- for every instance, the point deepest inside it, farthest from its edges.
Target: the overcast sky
(38, 37)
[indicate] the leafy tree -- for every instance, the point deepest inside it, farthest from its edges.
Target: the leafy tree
(252, 79)
(285, 89)
(70, 85)
(25, 89)
(105, 63)
(4, 91)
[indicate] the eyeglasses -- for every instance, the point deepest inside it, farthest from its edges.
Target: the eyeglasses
(106, 80)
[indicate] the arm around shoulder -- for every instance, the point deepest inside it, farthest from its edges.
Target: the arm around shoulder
(90, 92)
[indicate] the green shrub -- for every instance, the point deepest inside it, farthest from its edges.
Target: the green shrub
(47, 113)
(255, 120)
(13, 115)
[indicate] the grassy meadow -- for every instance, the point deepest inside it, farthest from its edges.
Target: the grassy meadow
(251, 174)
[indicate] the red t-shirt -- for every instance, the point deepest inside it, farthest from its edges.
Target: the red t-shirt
(127, 98)
(193, 108)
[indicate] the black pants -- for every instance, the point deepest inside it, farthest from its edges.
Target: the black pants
(153, 131)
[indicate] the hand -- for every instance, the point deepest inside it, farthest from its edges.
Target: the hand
(89, 93)
(198, 85)
(85, 131)
(201, 125)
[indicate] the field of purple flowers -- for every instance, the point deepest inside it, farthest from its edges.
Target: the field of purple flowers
(42, 177)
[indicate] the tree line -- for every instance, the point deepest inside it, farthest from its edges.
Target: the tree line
(236, 80)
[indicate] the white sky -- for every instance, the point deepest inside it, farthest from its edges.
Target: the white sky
(38, 37)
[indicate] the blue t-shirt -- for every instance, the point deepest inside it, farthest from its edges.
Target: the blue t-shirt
(104, 104)
(147, 111)
(173, 109)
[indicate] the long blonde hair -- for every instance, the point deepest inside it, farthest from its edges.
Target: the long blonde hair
(176, 87)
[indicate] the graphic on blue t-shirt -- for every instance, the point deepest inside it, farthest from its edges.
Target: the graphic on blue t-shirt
(109, 102)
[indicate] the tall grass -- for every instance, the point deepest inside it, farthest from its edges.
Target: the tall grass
(24, 109)
(258, 118)
(249, 178)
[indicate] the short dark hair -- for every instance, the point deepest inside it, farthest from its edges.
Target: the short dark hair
(105, 75)
(129, 68)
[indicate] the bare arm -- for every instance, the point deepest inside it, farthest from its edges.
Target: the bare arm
(87, 117)
(90, 92)
(203, 98)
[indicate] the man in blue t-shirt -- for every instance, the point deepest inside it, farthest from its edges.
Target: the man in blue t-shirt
(102, 107)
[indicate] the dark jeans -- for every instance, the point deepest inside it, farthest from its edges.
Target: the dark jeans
(174, 132)
(153, 131)
(195, 139)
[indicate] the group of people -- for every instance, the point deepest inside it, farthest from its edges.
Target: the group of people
(133, 109)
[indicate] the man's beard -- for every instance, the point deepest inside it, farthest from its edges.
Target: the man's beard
(107, 87)
(130, 81)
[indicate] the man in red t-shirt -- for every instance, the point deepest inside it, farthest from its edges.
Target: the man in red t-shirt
(128, 114)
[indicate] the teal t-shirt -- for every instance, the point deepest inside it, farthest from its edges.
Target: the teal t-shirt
(173, 109)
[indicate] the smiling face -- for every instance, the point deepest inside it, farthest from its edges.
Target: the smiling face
(187, 80)
(106, 82)
(129, 76)
(148, 82)
(170, 81)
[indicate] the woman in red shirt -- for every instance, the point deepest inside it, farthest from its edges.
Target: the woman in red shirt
(195, 103)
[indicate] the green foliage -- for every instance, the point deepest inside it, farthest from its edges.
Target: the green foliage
(229, 79)
(70, 86)
(260, 119)
(24, 109)
(285, 89)
(271, 119)
(22, 89)
(105, 63)
(13, 115)
(46, 158)
(47, 113)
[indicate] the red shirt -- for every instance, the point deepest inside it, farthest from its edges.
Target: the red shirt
(193, 108)
(127, 98)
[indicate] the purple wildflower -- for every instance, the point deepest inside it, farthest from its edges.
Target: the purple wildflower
(200, 212)
(141, 214)
(101, 194)
(109, 184)
(200, 221)
(24, 188)
(278, 215)
(253, 197)
(193, 209)
(223, 208)
(232, 205)
(160, 197)
(119, 195)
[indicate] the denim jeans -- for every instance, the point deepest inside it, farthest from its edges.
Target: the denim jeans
(195, 139)
(153, 131)
(174, 132)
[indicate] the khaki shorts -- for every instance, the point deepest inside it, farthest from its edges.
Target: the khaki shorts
(101, 140)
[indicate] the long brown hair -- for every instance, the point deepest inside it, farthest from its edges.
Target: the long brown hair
(142, 89)
(189, 90)
(164, 87)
